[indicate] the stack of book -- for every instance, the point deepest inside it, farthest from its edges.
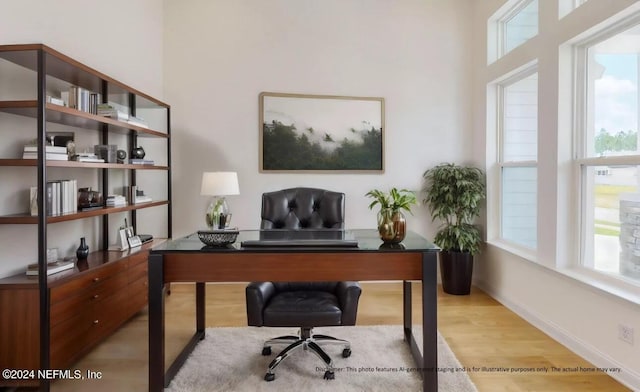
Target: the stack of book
(141, 161)
(53, 153)
(52, 267)
(143, 199)
(116, 201)
(106, 110)
(87, 157)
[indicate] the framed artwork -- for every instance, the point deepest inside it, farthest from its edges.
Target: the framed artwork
(321, 133)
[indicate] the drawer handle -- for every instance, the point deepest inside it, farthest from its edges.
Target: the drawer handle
(96, 279)
(96, 321)
(96, 296)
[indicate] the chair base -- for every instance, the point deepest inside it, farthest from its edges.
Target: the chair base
(307, 341)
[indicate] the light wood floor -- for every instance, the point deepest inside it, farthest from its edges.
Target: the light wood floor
(479, 330)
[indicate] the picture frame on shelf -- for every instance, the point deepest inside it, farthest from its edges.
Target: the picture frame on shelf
(321, 133)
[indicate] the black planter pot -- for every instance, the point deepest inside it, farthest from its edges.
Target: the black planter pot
(456, 269)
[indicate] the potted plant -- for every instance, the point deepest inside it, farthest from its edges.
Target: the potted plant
(453, 194)
(392, 225)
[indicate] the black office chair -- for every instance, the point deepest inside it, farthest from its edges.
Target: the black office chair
(302, 304)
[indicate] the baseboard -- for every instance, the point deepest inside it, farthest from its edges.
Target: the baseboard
(627, 377)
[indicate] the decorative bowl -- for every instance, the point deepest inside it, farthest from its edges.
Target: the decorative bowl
(218, 237)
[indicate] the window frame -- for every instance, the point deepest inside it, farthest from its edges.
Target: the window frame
(501, 164)
(505, 18)
(582, 162)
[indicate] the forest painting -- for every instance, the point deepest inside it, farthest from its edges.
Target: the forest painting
(321, 133)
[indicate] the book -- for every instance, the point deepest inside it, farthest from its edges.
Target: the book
(52, 267)
(50, 156)
(136, 161)
(48, 149)
(143, 199)
(87, 159)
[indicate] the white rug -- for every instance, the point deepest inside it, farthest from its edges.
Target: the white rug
(229, 359)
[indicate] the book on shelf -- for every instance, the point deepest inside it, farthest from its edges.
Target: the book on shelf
(48, 149)
(116, 201)
(55, 101)
(52, 267)
(133, 120)
(61, 197)
(106, 110)
(52, 156)
(143, 199)
(137, 161)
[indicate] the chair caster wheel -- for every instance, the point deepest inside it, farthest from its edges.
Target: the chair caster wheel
(329, 375)
(346, 353)
(266, 350)
(271, 377)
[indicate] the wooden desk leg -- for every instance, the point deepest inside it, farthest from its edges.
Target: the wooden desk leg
(156, 323)
(430, 321)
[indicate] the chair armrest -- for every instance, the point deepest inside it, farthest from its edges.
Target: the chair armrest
(348, 294)
(257, 295)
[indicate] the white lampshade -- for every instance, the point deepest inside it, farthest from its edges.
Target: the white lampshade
(219, 184)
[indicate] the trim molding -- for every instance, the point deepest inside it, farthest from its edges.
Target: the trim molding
(627, 377)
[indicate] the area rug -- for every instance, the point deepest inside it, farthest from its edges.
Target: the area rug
(229, 359)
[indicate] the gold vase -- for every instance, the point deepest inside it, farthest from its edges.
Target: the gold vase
(392, 226)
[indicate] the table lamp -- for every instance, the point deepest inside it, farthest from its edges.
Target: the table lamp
(219, 185)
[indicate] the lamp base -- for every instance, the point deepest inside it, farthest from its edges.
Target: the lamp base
(217, 215)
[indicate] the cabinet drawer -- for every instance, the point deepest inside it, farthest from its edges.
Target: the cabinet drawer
(69, 338)
(64, 309)
(87, 280)
(138, 258)
(108, 315)
(139, 271)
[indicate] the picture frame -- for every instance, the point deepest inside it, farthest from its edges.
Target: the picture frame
(321, 133)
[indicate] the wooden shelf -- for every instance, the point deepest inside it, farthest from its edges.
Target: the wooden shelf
(80, 165)
(75, 118)
(65, 68)
(24, 219)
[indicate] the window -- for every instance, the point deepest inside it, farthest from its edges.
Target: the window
(520, 26)
(512, 25)
(518, 160)
(609, 155)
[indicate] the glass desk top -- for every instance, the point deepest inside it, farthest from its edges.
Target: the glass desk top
(354, 240)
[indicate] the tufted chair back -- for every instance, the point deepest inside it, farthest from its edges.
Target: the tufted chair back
(302, 208)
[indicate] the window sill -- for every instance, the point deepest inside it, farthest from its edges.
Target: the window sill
(525, 253)
(615, 286)
(609, 284)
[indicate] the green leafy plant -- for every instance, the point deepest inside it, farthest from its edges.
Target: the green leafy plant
(453, 194)
(395, 200)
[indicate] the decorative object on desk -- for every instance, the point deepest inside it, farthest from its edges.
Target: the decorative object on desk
(321, 132)
(106, 152)
(218, 237)
(121, 155)
(392, 225)
(219, 185)
(453, 194)
(137, 153)
(83, 250)
(88, 198)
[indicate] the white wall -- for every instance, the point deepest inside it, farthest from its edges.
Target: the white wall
(120, 38)
(583, 318)
(219, 55)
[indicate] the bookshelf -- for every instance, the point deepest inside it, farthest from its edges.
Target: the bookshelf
(48, 322)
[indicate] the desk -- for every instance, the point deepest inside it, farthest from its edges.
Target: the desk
(188, 260)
